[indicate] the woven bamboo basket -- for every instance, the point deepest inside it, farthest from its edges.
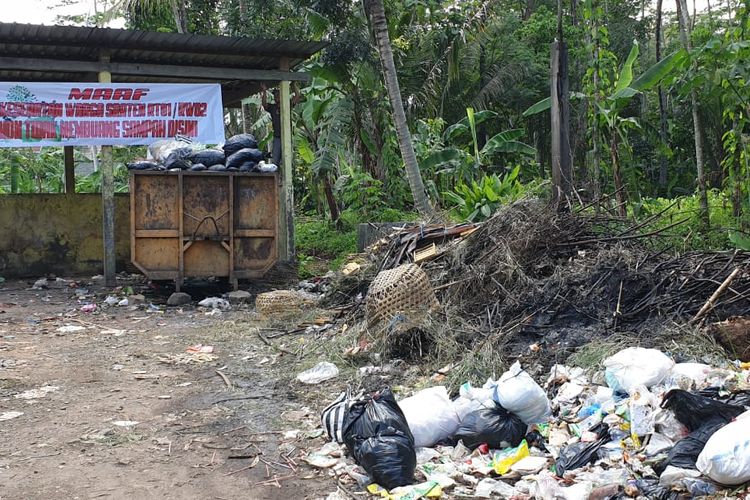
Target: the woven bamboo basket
(401, 297)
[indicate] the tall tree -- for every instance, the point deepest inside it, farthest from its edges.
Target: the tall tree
(662, 104)
(376, 12)
(683, 17)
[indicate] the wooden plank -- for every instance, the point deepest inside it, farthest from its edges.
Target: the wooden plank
(106, 167)
(254, 233)
(157, 233)
(70, 170)
(166, 70)
(230, 246)
(181, 234)
(286, 222)
(425, 253)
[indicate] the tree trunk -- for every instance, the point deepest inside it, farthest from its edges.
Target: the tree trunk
(596, 167)
(684, 21)
(617, 175)
(179, 11)
(662, 107)
(562, 182)
(333, 207)
(530, 5)
(376, 13)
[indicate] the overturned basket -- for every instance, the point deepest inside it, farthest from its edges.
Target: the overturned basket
(283, 302)
(400, 298)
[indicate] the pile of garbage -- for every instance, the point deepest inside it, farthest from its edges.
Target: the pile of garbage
(537, 284)
(239, 153)
(643, 427)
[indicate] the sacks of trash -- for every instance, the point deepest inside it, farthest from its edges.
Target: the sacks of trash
(238, 154)
(655, 430)
(378, 437)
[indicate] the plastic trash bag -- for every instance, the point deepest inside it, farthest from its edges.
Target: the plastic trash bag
(198, 167)
(378, 437)
(267, 167)
(577, 455)
(518, 393)
(178, 158)
(244, 156)
(332, 417)
(248, 166)
(430, 415)
(217, 168)
(738, 398)
(208, 157)
(495, 426)
(685, 452)
(726, 456)
(689, 375)
(319, 373)
(694, 410)
(239, 141)
(142, 165)
(473, 398)
(636, 366)
(159, 150)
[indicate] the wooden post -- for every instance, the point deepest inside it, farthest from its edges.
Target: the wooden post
(108, 198)
(286, 214)
(70, 170)
(562, 182)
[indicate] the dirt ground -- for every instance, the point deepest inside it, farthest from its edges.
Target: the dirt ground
(80, 393)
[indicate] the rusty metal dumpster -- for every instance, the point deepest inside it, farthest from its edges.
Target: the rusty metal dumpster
(201, 224)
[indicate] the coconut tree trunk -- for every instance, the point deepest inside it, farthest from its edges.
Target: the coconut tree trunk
(179, 11)
(333, 207)
(376, 12)
(620, 194)
(684, 21)
(662, 106)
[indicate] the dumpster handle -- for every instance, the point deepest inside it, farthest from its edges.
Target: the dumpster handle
(204, 219)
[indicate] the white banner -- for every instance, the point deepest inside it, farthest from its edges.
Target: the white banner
(85, 114)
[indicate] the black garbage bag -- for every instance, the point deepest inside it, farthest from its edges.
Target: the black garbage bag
(738, 398)
(217, 168)
(243, 156)
(651, 489)
(208, 157)
(535, 439)
(198, 167)
(378, 437)
(249, 166)
(239, 141)
(178, 158)
(685, 452)
(495, 426)
(577, 455)
(142, 165)
(694, 410)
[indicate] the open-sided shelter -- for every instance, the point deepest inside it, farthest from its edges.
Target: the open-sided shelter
(37, 235)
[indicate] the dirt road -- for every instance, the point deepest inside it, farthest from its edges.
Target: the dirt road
(118, 409)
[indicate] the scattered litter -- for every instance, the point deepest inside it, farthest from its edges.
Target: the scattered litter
(9, 415)
(215, 303)
(200, 348)
(71, 328)
(125, 423)
(37, 393)
(320, 461)
(431, 416)
(111, 300)
(88, 308)
(319, 373)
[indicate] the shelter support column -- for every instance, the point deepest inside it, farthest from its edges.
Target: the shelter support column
(70, 170)
(286, 214)
(108, 199)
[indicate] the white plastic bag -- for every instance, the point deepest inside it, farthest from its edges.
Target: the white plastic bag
(319, 373)
(689, 375)
(473, 398)
(431, 416)
(726, 456)
(636, 366)
(518, 393)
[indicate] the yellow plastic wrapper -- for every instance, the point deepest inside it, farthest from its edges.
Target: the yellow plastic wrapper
(504, 460)
(429, 489)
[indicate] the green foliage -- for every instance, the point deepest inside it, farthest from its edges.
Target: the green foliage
(479, 199)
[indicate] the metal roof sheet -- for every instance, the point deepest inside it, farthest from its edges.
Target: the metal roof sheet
(129, 47)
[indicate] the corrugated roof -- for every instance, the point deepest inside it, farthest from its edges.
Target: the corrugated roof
(31, 52)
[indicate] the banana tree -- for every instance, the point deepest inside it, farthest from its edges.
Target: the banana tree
(609, 109)
(465, 159)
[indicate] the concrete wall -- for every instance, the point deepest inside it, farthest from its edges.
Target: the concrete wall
(58, 233)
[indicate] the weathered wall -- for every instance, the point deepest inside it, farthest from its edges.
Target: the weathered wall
(58, 233)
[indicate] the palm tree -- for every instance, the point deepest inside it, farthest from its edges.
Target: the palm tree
(376, 12)
(662, 103)
(683, 17)
(178, 8)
